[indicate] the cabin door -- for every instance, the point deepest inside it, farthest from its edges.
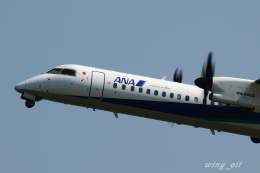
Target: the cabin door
(97, 85)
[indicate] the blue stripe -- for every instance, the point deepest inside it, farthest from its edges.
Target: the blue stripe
(140, 83)
(206, 112)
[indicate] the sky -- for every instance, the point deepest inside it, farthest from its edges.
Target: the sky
(144, 37)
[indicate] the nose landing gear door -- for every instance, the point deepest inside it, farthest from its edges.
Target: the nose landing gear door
(97, 85)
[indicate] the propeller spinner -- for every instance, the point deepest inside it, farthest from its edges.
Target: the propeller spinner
(207, 73)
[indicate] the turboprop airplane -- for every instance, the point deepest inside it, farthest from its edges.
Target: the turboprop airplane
(215, 103)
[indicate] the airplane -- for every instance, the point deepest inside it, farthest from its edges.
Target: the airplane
(220, 104)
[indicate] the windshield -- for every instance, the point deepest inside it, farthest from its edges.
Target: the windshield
(55, 71)
(68, 72)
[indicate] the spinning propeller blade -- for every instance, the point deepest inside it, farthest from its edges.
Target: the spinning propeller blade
(206, 79)
(177, 77)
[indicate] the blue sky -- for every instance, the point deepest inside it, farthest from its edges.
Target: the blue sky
(150, 38)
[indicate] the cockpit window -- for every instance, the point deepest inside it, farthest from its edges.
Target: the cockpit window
(62, 71)
(68, 72)
(55, 71)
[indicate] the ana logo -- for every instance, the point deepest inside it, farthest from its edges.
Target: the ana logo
(245, 94)
(122, 80)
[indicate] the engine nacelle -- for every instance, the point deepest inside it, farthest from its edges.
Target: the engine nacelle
(218, 97)
(235, 91)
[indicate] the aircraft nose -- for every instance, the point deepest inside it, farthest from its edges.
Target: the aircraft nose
(20, 87)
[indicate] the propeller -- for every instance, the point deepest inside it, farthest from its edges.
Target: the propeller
(177, 77)
(206, 79)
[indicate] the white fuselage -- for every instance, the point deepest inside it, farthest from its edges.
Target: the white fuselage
(140, 96)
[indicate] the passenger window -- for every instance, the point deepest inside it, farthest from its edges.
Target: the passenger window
(140, 90)
(163, 94)
(156, 92)
(123, 87)
(171, 95)
(148, 91)
(178, 96)
(132, 88)
(196, 99)
(115, 85)
(68, 72)
(187, 98)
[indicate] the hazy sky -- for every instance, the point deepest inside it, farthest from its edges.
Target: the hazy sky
(145, 37)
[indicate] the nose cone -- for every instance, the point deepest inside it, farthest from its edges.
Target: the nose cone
(20, 87)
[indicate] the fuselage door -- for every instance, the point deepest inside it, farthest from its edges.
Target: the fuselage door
(97, 85)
